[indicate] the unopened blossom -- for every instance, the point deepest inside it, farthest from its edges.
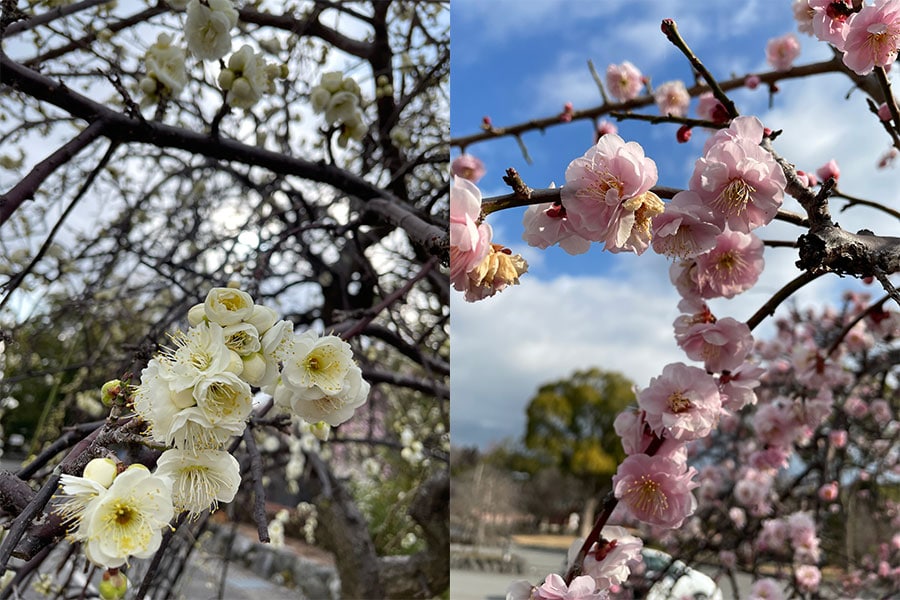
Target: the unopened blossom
(873, 36)
(605, 127)
(781, 52)
(499, 269)
(605, 194)
(227, 306)
(468, 167)
(731, 267)
(470, 239)
(829, 170)
(830, 20)
(610, 560)
(546, 225)
(208, 26)
(672, 98)
(829, 491)
(683, 402)
(655, 489)
(752, 82)
(684, 229)
(766, 589)
(125, 519)
(624, 81)
(722, 346)
(200, 481)
(739, 181)
(246, 78)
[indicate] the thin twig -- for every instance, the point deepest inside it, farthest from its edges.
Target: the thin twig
(21, 523)
(768, 309)
(877, 305)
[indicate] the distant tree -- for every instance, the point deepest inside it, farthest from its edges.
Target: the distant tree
(570, 421)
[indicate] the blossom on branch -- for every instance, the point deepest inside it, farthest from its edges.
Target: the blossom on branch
(873, 36)
(672, 98)
(682, 403)
(781, 52)
(499, 269)
(208, 26)
(470, 239)
(200, 481)
(731, 267)
(624, 81)
(546, 225)
(739, 181)
(684, 229)
(468, 167)
(656, 489)
(607, 197)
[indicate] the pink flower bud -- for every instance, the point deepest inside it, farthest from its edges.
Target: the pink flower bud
(884, 113)
(829, 169)
(486, 122)
(752, 81)
(829, 492)
(683, 134)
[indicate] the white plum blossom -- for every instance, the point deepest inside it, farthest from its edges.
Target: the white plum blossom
(228, 306)
(200, 481)
(207, 28)
(123, 520)
(166, 72)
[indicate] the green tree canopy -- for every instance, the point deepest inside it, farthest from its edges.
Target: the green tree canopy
(571, 421)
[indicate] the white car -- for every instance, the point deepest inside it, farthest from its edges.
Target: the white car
(680, 582)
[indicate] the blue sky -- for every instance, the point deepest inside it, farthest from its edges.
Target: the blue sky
(516, 60)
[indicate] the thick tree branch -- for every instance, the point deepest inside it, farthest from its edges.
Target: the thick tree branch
(117, 126)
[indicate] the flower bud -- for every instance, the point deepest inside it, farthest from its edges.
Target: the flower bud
(321, 430)
(196, 315)
(254, 369)
(110, 391)
(262, 318)
(226, 79)
(114, 585)
(101, 470)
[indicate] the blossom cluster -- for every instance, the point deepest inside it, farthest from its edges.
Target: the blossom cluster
(207, 36)
(194, 397)
(339, 99)
(867, 36)
(477, 267)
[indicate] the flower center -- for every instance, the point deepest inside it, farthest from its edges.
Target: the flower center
(647, 496)
(734, 197)
(679, 403)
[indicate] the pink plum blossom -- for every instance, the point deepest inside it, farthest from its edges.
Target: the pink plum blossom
(752, 82)
(607, 197)
(684, 229)
(872, 36)
(884, 112)
(766, 589)
(656, 489)
(546, 225)
(829, 22)
(722, 346)
(554, 588)
(683, 402)
(781, 52)
(737, 387)
(739, 181)
(881, 411)
(470, 242)
(632, 427)
(624, 81)
(838, 438)
(710, 109)
(672, 98)
(808, 577)
(803, 14)
(468, 167)
(731, 267)
(681, 274)
(829, 169)
(753, 489)
(610, 561)
(605, 127)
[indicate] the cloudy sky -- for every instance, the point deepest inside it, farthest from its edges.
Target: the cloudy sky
(515, 60)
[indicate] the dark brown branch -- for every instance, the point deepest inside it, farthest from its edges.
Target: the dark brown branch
(310, 26)
(23, 520)
(434, 238)
(25, 189)
(259, 490)
(670, 29)
(768, 309)
(875, 306)
(854, 201)
(50, 16)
